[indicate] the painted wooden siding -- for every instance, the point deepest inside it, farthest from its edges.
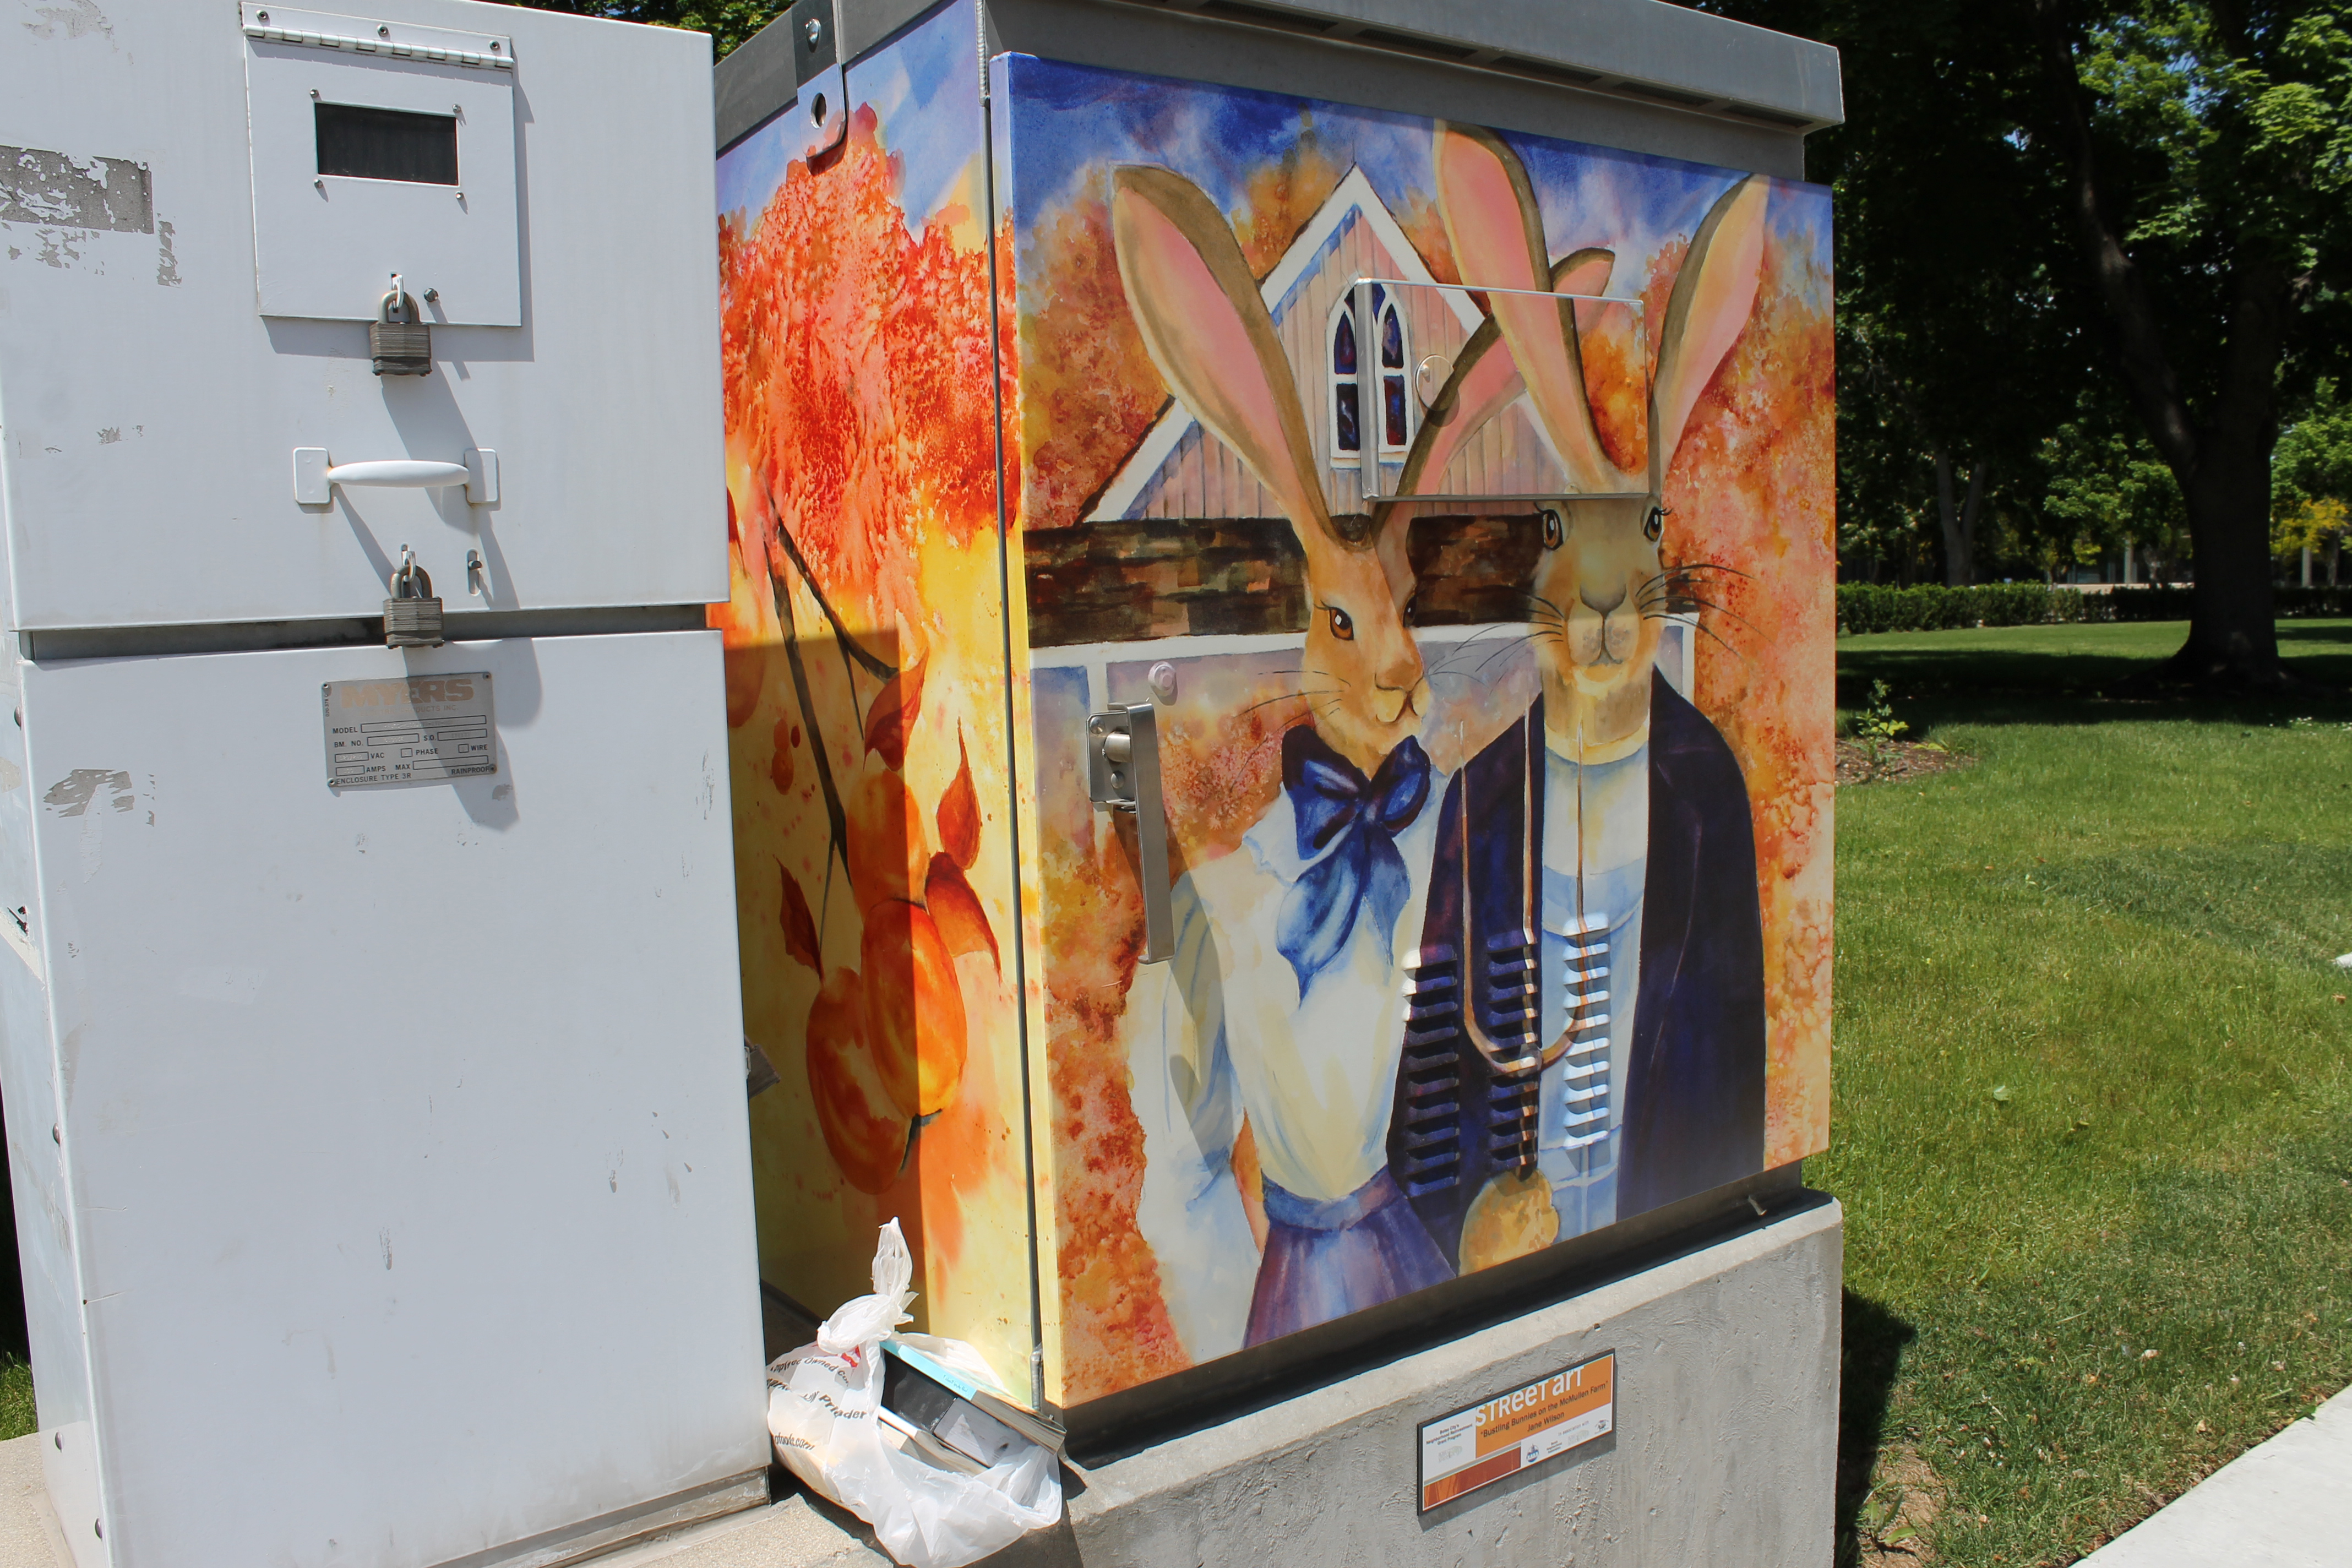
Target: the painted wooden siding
(1202, 478)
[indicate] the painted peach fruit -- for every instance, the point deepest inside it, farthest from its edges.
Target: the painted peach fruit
(747, 672)
(914, 1006)
(884, 833)
(862, 1122)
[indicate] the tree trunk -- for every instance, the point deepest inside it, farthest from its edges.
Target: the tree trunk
(2232, 639)
(1959, 522)
(2222, 462)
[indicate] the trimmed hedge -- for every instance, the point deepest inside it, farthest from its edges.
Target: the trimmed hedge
(1929, 607)
(1868, 608)
(2171, 604)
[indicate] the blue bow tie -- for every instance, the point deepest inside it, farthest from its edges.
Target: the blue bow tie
(1352, 825)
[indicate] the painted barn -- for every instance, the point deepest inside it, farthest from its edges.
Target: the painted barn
(1177, 471)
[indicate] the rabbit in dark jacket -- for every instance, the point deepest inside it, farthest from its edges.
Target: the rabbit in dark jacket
(1600, 851)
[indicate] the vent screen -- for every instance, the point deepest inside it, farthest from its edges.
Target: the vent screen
(365, 143)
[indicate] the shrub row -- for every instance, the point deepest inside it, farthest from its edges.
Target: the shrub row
(1867, 607)
(2173, 604)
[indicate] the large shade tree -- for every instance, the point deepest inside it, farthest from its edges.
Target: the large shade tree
(2194, 158)
(2207, 150)
(1955, 348)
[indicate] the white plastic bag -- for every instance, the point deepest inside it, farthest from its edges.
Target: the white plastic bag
(822, 1400)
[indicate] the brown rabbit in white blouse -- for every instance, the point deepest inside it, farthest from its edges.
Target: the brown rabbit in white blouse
(1282, 1001)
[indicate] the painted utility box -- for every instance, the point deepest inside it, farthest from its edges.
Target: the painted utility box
(1279, 658)
(369, 1027)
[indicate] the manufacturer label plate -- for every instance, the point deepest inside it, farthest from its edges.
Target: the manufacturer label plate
(409, 730)
(1481, 1444)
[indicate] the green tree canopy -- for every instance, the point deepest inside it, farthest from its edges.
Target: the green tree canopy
(2168, 187)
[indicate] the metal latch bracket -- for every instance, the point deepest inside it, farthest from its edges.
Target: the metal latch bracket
(821, 112)
(1123, 774)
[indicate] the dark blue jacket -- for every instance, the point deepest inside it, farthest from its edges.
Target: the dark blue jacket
(1694, 1095)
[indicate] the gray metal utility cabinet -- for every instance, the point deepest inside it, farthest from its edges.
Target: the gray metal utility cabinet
(1280, 662)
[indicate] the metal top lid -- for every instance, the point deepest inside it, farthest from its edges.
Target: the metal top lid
(1648, 49)
(1645, 54)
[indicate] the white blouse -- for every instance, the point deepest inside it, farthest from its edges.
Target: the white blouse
(1221, 1031)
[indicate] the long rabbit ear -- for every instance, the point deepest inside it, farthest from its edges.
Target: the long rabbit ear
(1712, 297)
(1496, 231)
(1486, 382)
(1583, 271)
(1206, 327)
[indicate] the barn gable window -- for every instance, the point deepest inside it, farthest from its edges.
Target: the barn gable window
(1394, 412)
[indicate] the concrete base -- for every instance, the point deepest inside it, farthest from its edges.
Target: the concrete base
(1725, 1451)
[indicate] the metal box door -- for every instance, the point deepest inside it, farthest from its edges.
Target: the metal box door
(158, 370)
(381, 150)
(403, 1127)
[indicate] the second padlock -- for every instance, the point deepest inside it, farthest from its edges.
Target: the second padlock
(411, 616)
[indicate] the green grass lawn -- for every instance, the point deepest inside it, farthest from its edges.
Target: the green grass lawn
(15, 1397)
(2092, 1086)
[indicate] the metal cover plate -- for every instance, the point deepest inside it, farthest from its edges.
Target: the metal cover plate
(326, 244)
(411, 731)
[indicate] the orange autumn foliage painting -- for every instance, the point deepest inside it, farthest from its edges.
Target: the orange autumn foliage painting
(1025, 404)
(864, 639)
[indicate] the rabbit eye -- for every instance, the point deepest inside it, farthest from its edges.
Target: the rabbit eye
(1554, 530)
(1413, 610)
(1342, 627)
(1655, 525)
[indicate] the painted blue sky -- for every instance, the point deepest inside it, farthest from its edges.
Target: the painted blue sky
(1070, 120)
(1067, 121)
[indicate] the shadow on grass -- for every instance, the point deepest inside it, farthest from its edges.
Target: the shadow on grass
(1870, 1352)
(1952, 682)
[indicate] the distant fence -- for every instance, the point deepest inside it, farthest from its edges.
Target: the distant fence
(1866, 607)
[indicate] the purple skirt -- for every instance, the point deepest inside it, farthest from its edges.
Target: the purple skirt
(1325, 1260)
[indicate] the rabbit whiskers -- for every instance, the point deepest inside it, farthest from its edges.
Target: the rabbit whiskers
(1548, 621)
(1675, 591)
(1301, 695)
(1495, 648)
(1662, 606)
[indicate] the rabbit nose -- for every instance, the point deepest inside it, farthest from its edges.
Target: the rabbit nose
(1596, 606)
(1398, 689)
(1402, 673)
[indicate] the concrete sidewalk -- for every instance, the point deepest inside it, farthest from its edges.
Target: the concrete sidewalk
(2285, 1504)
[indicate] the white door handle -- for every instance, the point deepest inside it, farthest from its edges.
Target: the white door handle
(315, 479)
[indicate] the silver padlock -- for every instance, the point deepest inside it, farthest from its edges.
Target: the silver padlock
(404, 347)
(411, 616)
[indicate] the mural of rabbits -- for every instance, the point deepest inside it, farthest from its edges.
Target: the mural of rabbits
(1281, 1001)
(1600, 852)
(1028, 395)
